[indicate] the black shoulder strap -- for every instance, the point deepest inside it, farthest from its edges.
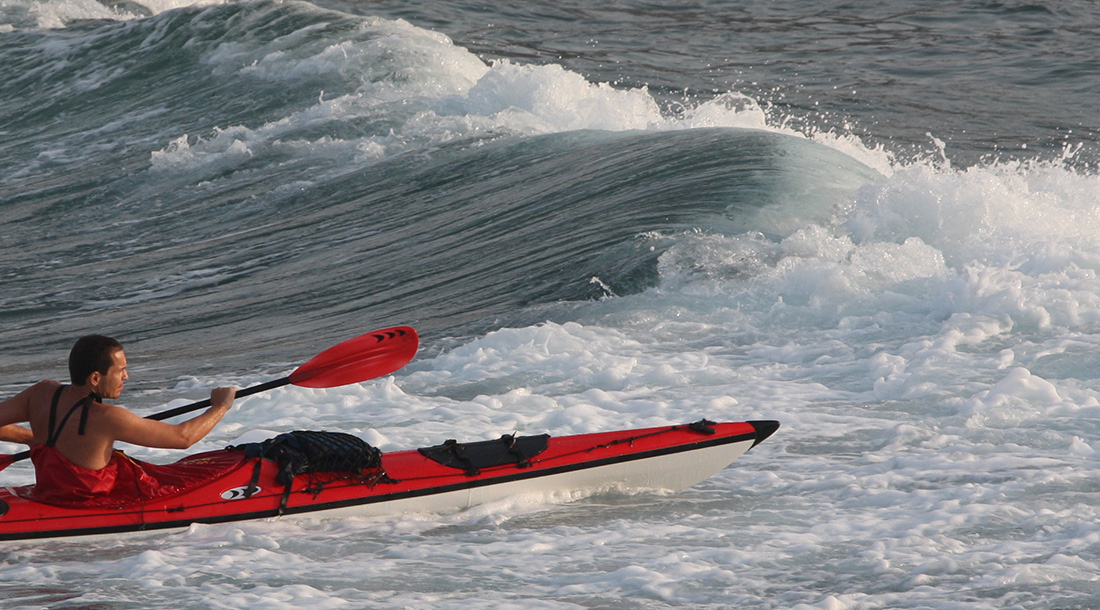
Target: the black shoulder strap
(50, 437)
(54, 433)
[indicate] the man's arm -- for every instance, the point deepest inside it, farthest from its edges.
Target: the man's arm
(17, 410)
(129, 427)
(16, 434)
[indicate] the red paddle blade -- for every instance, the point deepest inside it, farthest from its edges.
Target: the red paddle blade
(374, 354)
(6, 460)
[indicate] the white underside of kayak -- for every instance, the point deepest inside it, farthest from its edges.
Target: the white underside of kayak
(671, 472)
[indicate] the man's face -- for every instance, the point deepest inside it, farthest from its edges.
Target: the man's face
(110, 385)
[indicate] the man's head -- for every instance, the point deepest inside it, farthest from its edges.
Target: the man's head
(98, 362)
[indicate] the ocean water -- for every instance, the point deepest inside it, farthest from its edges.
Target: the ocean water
(878, 223)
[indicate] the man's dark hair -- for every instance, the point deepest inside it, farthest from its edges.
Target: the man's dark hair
(91, 354)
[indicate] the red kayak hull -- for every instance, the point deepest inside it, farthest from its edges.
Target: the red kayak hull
(667, 458)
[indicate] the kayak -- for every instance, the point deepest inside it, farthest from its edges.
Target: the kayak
(305, 472)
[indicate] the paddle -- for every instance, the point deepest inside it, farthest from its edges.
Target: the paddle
(365, 357)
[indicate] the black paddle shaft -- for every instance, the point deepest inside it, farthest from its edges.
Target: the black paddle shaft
(195, 406)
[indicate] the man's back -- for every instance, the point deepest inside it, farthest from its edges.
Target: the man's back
(93, 448)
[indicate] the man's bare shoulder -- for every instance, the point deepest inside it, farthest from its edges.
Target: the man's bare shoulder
(113, 412)
(43, 391)
(24, 405)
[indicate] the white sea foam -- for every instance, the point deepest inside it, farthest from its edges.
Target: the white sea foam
(49, 14)
(428, 92)
(930, 352)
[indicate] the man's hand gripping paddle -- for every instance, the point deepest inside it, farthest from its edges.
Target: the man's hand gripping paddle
(365, 357)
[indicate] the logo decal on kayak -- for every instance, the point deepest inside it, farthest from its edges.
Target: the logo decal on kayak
(239, 493)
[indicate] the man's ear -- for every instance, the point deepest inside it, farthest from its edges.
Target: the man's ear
(94, 379)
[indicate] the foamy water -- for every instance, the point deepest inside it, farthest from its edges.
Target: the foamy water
(583, 256)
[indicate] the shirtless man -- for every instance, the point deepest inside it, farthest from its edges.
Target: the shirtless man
(72, 429)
